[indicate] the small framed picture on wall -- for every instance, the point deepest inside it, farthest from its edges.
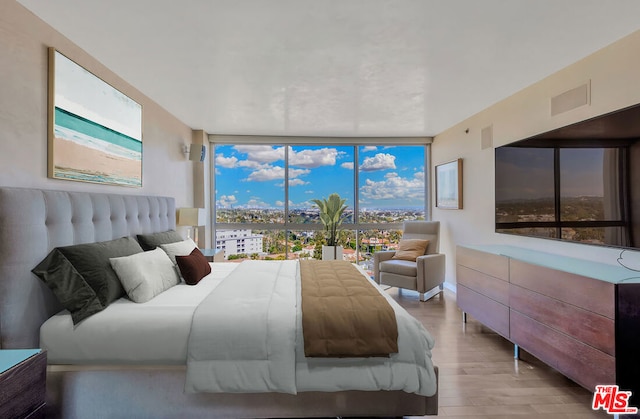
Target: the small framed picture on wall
(449, 185)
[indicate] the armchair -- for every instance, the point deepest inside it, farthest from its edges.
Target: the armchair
(423, 275)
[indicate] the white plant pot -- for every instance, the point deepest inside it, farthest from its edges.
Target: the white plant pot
(331, 252)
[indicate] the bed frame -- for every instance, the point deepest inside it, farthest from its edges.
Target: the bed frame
(34, 221)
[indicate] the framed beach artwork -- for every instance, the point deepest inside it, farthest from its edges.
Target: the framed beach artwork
(95, 131)
(449, 185)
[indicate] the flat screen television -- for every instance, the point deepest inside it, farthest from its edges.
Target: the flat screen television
(579, 183)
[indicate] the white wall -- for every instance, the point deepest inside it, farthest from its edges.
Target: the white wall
(614, 73)
(24, 39)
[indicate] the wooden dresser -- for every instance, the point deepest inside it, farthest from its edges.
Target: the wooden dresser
(580, 317)
(22, 383)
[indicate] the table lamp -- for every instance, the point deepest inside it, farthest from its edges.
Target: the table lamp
(193, 218)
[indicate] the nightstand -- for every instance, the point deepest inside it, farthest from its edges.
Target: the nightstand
(213, 255)
(23, 374)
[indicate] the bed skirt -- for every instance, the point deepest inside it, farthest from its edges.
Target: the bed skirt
(157, 392)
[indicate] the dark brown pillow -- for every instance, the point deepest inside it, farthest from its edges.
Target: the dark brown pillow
(411, 249)
(193, 267)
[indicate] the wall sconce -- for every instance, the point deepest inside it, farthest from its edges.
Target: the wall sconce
(193, 218)
(194, 152)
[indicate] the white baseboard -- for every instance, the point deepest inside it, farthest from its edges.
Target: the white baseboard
(451, 287)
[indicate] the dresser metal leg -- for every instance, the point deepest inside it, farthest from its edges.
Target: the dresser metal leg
(516, 352)
(464, 317)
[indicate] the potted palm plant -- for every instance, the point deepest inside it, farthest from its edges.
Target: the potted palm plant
(331, 215)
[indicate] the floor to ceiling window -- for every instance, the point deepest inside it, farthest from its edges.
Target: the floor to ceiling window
(264, 197)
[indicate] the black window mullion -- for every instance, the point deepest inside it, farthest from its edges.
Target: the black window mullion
(556, 190)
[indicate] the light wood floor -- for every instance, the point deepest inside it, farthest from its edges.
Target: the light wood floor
(479, 378)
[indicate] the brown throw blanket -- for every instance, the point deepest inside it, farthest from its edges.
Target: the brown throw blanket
(343, 315)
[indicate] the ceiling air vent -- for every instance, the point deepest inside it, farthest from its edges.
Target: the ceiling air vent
(486, 137)
(571, 99)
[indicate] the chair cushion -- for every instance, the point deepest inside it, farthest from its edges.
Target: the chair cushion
(410, 249)
(399, 267)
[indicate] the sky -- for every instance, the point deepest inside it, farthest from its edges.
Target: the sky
(252, 176)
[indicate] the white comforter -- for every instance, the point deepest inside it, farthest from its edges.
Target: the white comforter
(243, 335)
(157, 333)
(247, 343)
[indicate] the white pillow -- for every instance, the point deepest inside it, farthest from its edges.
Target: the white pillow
(183, 248)
(145, 275)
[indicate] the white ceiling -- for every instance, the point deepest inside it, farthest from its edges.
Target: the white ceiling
(335, 67)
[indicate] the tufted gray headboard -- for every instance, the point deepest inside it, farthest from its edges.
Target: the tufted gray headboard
(34, 221)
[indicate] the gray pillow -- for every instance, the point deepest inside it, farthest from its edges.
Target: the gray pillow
(151, 241)
(81, 276)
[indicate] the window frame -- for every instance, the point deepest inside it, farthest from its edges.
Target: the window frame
(354, 142)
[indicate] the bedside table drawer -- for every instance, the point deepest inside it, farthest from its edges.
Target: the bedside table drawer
(23, 388)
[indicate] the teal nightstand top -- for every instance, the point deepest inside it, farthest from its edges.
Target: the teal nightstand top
(11, 357)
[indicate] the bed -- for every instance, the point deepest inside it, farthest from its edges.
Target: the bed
(33, 221)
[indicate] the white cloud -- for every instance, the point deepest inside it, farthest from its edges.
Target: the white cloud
(380, 161)
(294, 173)
(393, 187)
(252, 164)
(267, 173)
(309, 192)
(313, 158)
(301, 205)
(369, 148)
(297, 182)
(281, 203)
(256, 203)
(347, 165)
(261, 153)
(228, 162)
(226, 201)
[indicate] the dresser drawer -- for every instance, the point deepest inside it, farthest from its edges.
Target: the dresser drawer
(587, 293)
(582, 363)
(491, 264)
(494, 288)
(588, 327)
(487, 311)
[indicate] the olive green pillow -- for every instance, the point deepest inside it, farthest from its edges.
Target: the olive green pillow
(81, 276)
